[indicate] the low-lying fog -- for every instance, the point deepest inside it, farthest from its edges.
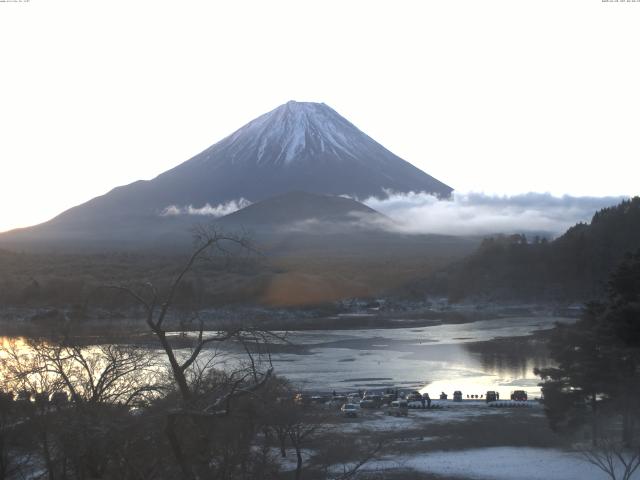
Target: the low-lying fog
(481, 214)
(464, 214)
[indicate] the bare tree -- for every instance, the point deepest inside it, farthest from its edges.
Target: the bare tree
(156, 306)
(351, 471)
(11, 464)
(306, 427)
(188, 371)
(613, 458)
(299, 433)
(211, 405)
(108, 373)
(102, 381)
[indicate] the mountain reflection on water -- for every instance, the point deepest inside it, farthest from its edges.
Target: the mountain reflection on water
(513, 356)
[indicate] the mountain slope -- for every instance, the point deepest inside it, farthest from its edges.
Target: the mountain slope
(287, 220)
(296, 147)
(294, 208)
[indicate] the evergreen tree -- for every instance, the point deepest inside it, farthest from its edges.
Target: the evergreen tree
(598, 359)
(573, 267)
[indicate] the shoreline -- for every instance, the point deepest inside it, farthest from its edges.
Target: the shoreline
(52, 321)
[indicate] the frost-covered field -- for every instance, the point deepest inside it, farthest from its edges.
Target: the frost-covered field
(469, 440)
(446, 413)
(499, 463)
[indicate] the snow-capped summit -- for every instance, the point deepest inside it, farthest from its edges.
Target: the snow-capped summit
(295, 131)
(299, 146)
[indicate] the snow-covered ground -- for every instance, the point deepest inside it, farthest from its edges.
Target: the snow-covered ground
(451, 412)
(495, 463)
(290, 462)
(503, 463)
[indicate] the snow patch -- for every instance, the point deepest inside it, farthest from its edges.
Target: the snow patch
(504, 463)
(371, 422)
(294, 128)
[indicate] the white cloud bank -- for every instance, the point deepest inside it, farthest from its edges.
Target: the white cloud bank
(480, 214)
(219, 210)
(464, 214)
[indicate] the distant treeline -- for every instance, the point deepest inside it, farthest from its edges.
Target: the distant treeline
(573, 267)
(78, 281)
(307, 274)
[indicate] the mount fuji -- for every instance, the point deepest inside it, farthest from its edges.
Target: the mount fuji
(298, 146)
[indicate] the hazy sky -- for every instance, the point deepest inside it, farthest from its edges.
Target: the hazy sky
(501, 97)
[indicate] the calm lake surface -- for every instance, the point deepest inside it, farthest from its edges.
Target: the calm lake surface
(471, 357)
(493, 354)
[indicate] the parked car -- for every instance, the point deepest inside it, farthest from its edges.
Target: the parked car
(414, 396)
(457, 396)
(387, 398)
(24, 396)
(519, 396)
(320, 399)
(349, 410)
(491, 396)
(42, 398)
(398, 408)
(338, 401)
(59, 399)
(6, 398)
(371, 401)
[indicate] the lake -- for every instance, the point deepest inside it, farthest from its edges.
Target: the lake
(472, 357)
(495, 354)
